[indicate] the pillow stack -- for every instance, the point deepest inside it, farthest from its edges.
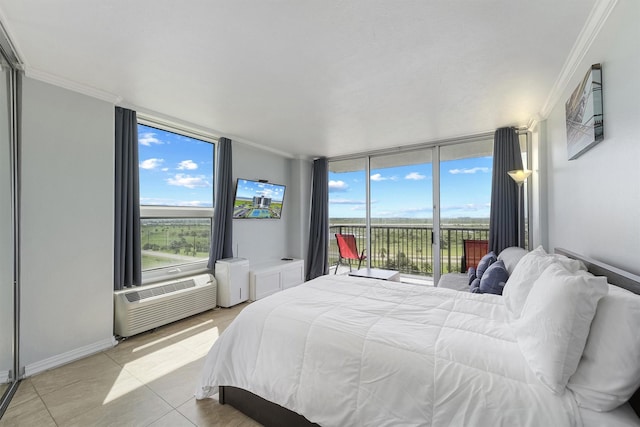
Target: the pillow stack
(554, 323)
(526, 272)
(475, 274)
(551, 302)
(608, 373)
(490, 276)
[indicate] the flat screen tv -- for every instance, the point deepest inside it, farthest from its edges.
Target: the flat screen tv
(258, 200)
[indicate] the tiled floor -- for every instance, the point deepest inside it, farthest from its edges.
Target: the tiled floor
(147, 380)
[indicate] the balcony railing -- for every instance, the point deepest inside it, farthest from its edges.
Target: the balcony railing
(408, 248)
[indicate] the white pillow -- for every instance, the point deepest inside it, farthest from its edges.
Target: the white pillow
(526, 271)
(521, 280)
(573, 265)
(555, 321)
(609, 371)
(511, 256)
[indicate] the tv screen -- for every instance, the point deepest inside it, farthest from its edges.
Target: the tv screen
(256, 199)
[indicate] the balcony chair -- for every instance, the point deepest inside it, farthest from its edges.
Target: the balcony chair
(474, 250)
(348, 250)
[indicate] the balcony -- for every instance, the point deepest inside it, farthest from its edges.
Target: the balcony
(408, 248)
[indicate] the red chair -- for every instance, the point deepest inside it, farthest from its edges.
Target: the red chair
(348, 250)
(474, 250)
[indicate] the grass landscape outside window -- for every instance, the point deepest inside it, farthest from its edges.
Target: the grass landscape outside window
(176, 200)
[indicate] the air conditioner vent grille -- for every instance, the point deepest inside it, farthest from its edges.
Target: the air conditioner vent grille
(159, 290)
(142, 309)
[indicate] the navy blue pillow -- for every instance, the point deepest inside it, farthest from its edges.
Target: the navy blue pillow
(472, 274)
(484, 263)
(494, 278)
(475, 286)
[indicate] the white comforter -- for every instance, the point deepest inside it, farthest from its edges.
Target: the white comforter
(346, 351)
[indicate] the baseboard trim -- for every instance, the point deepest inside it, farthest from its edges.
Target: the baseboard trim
(68, 357)
(4, 377)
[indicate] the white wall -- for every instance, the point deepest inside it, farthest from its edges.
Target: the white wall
(67, 226)
(67, 222)
(594, 201)
(300, 196)
(261, 240)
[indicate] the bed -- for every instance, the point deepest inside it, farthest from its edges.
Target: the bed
(339, 350)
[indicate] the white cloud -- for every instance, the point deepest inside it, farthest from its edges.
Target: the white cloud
(470, 170)
(337, 186)
(379, 177)
(148, 138)
(469, 207)
(415, 176)
(346, 202)
(187, 164)
(188, 181)
(173, 202)
(151, 163)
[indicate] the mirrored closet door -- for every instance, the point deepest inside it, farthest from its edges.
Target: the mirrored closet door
(8, 223)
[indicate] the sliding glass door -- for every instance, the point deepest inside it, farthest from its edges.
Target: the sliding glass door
(414, 209)
(401, 212)
(347, 206)
(386, 202)
(465, 201)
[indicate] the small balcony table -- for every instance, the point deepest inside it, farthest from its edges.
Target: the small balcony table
(377, 273)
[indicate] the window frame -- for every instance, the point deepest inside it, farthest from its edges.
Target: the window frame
(158, 211)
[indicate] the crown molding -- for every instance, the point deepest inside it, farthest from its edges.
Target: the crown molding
(598, 16)
(71, 85)
(198, 130)
(145, 113)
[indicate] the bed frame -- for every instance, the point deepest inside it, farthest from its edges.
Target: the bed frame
(271, 414)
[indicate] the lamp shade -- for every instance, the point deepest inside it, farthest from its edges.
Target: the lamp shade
(519, 175)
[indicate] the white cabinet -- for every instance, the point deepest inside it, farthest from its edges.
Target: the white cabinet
(232, 275)
(275, 276)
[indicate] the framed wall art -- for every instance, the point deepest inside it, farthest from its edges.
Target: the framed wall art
(584, 114)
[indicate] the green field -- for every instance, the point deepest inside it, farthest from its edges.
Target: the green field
(405, 244)
(184, 238)
(397, 243)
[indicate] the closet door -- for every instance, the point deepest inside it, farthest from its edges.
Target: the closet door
(7, 255)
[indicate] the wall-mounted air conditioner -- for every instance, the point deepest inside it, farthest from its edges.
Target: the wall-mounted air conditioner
(143, 308)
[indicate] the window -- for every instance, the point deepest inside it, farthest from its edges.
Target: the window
(176, 201)
(398, 203)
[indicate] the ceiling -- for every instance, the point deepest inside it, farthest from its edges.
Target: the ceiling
(309, 77)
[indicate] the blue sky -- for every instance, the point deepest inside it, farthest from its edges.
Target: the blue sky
(174, 170)
(178, 171)
(407, 191)
(248, 189)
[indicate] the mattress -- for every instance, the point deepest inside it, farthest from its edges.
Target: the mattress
(343, 351)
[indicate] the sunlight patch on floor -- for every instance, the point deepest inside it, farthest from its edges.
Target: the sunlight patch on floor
(172, 336)
(172, 355)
